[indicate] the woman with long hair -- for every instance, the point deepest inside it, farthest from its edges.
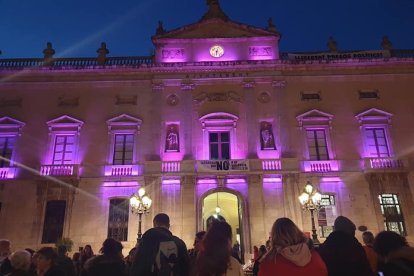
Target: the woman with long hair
(214, 257)
(289, 253)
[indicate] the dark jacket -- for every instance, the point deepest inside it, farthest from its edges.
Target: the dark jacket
(344, 255)
(399, 263)
(5, 267)
(65, 264)
(151, 258)
(103, 265)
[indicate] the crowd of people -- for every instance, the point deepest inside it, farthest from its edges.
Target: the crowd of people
(287, 252)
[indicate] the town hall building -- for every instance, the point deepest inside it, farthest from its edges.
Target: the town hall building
(217, 124)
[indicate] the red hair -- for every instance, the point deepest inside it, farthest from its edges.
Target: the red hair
(214, 256)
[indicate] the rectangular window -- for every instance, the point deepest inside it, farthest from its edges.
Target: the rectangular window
(318, 148)
(123, 149)
(219, 145)
(63, 150)
(377, 142)
(118, 219)
(391, 211)
(54, 220)
(6, 150)
(326, 215)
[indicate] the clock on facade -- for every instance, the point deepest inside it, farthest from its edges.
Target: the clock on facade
(216, 51)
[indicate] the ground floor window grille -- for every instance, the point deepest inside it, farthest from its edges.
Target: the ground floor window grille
(326, 215)
(118, 219)
(54, 221)
(392, 213)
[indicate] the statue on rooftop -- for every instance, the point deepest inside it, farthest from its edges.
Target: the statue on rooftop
(160, 28)
(332, 45)
(214, 11)
(386, 43)
(102, 52)
(270, 26)
(48, 54)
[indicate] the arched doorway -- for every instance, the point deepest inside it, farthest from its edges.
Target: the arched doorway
(223, 205)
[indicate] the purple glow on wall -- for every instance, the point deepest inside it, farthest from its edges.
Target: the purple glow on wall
(235, 180)
(272, 186)
(204, 185)
(207, 181)
(171, 182)
(7, 173)
(121, 184)
(272, 179)
(117, 191)
(330, 179)
(198, 50)
(241, 187)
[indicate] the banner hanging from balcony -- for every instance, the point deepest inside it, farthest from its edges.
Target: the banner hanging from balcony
(222, 165)
(340, 55)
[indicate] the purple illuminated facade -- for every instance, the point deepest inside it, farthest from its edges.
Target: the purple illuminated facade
(217, 111)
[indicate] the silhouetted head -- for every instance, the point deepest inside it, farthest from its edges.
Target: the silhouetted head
(345, 225)
(161, 220)
(387, 241)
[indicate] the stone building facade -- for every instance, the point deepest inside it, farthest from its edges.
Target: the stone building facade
(217, 118)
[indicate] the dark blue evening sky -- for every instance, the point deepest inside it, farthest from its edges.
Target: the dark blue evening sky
(77, 27)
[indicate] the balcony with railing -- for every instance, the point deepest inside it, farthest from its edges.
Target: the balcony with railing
(170, 166)
(122, 170)
(384, 163)
(8, 173)
(59, 170)
(320, 166)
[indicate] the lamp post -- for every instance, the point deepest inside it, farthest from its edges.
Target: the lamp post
(310, 200)
(140, 204)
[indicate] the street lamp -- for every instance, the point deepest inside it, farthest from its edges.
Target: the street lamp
(310, 200)
(140, 204)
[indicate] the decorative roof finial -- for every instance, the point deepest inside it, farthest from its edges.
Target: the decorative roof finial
(160, 29)
(270, 26)
(386, 43)
(332, 45)
(214, 11)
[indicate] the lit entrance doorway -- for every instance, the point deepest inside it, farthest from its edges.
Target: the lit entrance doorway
(225, 206)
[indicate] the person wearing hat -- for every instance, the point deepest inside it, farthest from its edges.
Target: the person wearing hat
(342, 252)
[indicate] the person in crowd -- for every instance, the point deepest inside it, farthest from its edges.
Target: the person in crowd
(32, 270)
(85, 255)
(255, 252)
(76, 262)
(260, 256)
(63, 262)
(372, 256)
(110, 263)
(214, 257)
(130, 259)
(193, 252)
(289, 253)
(20, 262)
(235, 252)
(5, 251)
(397, 257)
(342, 253)
(45, 266)
(159, 252)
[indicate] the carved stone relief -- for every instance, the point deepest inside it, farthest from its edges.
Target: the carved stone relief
(264, 97)
(173, 100)
(230, 96)
(68, 101)
(126, 100)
